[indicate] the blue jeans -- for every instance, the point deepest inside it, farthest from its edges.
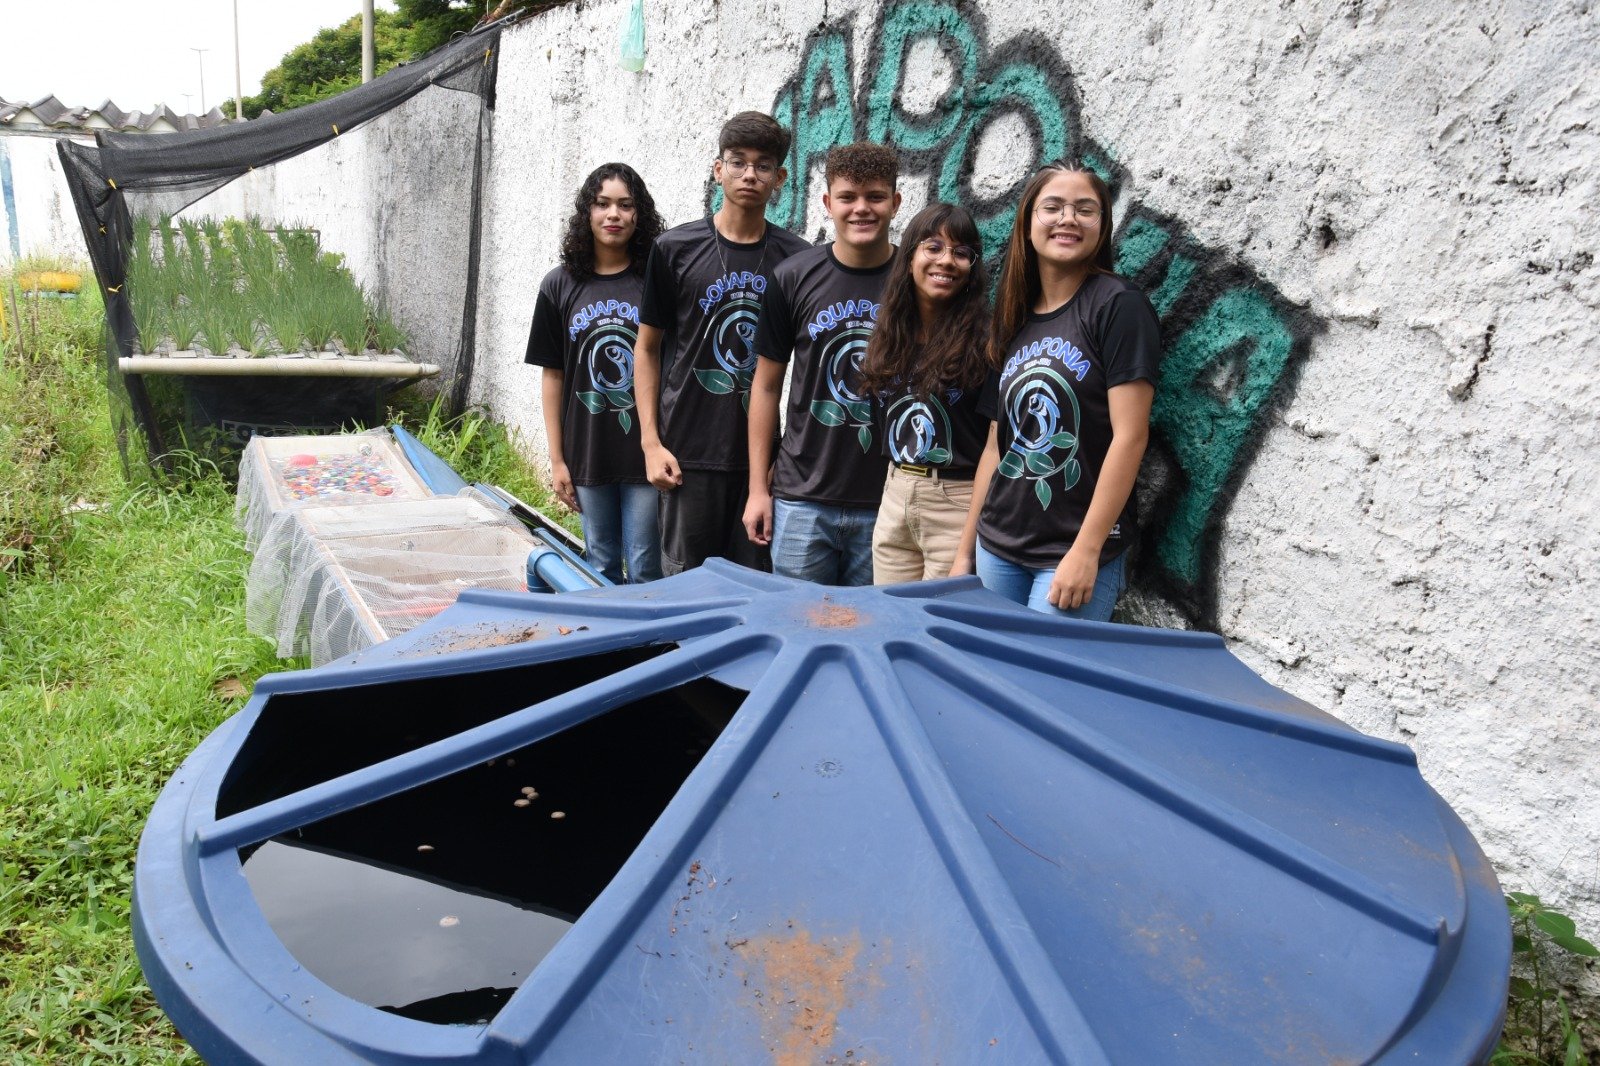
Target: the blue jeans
(619, 527)
(1029, 587)
(821, 543)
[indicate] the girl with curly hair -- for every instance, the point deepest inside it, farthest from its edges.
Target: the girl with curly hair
(584, 326)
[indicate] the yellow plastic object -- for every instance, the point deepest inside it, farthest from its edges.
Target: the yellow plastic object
(49, 281)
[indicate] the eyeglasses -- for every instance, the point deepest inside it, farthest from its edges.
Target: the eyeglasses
(935, 247)
(1052, 211)
(765, 172)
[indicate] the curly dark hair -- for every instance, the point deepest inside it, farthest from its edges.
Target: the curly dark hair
(951, 354)
(862, 162)
(577, 243)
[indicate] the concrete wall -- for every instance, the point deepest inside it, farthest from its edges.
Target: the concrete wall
(37, 217)
(1368, 227)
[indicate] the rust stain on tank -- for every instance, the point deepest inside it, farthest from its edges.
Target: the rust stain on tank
(477, 637)
(800, 985)
(833, 616)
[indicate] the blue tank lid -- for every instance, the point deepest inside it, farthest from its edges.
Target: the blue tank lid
(728, 817)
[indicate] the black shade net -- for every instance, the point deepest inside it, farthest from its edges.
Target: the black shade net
(126, 176)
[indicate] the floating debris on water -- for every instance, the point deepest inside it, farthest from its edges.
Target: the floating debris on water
(448, 921)
(424, 848)
(520, 803)
(558, 815)
(529, 791)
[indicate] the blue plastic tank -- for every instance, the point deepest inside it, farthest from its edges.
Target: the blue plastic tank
(731, 818)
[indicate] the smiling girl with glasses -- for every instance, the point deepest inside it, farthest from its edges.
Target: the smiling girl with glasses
(926, 364)
(1075, 352)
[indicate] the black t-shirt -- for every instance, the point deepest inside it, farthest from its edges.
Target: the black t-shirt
(704, 292)
(944, 430)
(586, 329)
(823, 312)
(1053, 420)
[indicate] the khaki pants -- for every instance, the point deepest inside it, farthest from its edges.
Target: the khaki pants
(919, 526)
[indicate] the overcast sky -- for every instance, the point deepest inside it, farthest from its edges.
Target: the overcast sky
(137, 52)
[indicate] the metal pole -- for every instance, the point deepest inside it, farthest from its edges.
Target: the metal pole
(200, 54)
(368, 51)
(238, 79)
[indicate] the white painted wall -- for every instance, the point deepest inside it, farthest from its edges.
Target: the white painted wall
(45, 221)
(1416, 547)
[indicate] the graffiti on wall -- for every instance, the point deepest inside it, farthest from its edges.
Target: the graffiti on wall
(1232, 343)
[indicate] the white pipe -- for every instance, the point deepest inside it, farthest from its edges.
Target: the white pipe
(274, 367)
(367, 50)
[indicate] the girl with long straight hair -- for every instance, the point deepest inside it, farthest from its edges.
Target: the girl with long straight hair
(1075, 351)
(926, 363)
(584, 326)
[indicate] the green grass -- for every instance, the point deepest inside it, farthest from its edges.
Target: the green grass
(122, 645)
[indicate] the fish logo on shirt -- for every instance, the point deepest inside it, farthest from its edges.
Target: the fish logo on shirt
(842, 357)
(1042, 413)
(915, 426)
(732, 306)
(606, 356)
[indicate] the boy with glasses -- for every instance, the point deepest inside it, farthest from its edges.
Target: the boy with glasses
(703, 289)
(827, 482)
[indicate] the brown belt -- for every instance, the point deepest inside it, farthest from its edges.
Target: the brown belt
(940, 474)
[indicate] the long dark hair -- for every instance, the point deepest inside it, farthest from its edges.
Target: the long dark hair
(952, 354)
(577, 243)
(1019, 276)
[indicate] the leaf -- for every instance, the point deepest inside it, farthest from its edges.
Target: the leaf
(230, 688)
(621, 399)
(1523, 897)
(1522, 988)
(1011, 465)
(1577, 945)
(744, 397)
(1557, 925)
(1070, 474)
(745, 378)
(860, 410)
(593, 401)
(1063, 440)
(1573, 1041)
(864, 435)
(1039, 463)
(717, 382)
(1521, 945)
(827, 412)
(1041, 489)
(626, 421)
(938, 456)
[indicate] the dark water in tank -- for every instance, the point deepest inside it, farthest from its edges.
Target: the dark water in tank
(438, 902)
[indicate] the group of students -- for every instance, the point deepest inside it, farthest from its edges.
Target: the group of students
(926, 434)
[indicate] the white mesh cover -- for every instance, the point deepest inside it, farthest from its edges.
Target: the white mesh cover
(328, 581)
(280, 474)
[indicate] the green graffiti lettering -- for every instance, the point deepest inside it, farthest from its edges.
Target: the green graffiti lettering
(905, 25)
(1179, 273)
(1250, 331)
(1140, 242)
(1206, 433)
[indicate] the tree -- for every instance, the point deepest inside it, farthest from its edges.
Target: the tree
(435, 22)
(330, 62)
